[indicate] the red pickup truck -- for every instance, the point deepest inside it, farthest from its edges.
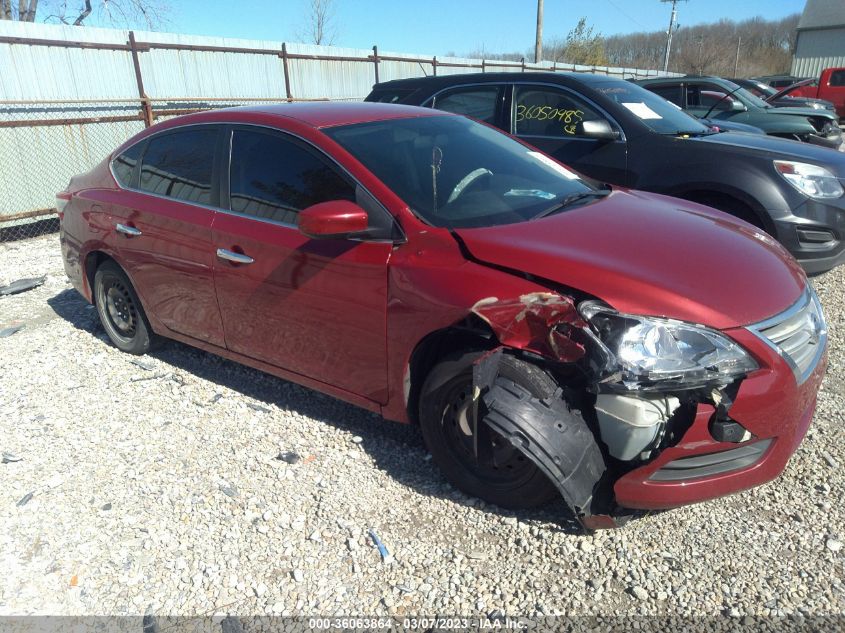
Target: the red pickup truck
(830, 86)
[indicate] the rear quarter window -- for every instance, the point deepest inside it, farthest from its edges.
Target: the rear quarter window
(123, 166)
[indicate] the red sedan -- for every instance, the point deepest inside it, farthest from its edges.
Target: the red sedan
(627, 351)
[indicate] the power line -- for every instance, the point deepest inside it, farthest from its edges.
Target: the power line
(634, 20)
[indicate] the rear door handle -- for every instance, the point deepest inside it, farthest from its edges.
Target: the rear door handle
(131, 231)
(238, 258)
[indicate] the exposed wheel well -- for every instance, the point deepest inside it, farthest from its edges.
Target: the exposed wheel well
(92, 262)
(471, 334)
(730, 204)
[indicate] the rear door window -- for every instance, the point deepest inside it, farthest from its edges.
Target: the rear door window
(180, 165)
(274, 178)
(477, 102)
(551, 112)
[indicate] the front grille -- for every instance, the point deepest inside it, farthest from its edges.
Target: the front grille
(798, 334)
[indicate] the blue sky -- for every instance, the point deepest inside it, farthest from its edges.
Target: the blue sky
(440, 26)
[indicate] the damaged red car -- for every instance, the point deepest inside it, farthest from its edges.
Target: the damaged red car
(626, 350)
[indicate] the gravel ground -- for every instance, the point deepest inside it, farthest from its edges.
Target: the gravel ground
(155, 485)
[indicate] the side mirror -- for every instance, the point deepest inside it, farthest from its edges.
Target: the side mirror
(736, 106)
(598, 129)
(335, 219)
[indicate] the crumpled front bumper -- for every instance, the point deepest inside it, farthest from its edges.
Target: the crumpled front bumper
(770, 404)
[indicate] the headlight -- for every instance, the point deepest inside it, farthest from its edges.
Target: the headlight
(811, 180)
(655, 354)
(816, 106)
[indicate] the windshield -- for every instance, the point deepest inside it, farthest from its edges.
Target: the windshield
(653, 110)
(744, 95)
(456, 173)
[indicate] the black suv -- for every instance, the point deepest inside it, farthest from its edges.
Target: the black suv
(617, 132)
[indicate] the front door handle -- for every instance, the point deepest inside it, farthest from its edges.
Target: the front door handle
(131, 231)
(238, 258)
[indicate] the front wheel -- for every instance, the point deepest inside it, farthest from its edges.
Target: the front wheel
(491, 469)
(120, 311)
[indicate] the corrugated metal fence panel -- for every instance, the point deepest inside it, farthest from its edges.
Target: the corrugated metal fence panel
(53, 73)
(318, 79)
(189, 73)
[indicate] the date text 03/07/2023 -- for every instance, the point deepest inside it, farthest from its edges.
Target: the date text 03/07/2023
(417, 623)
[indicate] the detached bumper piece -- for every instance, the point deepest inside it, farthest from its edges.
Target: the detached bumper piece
(696, 466)
(555, 439)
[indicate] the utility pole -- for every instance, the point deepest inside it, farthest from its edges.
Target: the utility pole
(538, 43)
(736, 63)
(669, 33)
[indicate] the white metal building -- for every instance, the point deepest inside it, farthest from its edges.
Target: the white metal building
(821, 38)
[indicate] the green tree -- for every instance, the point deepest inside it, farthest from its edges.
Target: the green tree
(582, 45)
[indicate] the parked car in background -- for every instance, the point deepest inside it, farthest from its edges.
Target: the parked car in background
(721, 99)
(617, 132)
(622, 349)
(781, 98)
(830, 86)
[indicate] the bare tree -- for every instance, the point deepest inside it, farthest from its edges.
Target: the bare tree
(151, 14)
(319, 26)
(24, 12)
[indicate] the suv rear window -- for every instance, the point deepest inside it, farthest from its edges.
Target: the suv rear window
(392, 95)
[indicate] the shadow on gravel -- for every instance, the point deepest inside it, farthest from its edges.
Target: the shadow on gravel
(397, 449)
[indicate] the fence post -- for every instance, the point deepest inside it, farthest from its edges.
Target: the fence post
(483, 68)
(523, 64)
(284, 56)
(434, 65)
(146, 106)
(375, 60)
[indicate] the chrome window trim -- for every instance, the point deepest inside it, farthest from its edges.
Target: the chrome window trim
(230, 125)
(807, 296)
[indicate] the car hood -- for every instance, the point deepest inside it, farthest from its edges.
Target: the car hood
(800, 112)
(777, 148)
(783, 92)
(653, 255)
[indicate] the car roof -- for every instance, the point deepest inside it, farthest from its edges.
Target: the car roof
(321, 114)
(443, 81)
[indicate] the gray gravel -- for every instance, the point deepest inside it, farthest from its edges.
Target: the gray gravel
(187, 484)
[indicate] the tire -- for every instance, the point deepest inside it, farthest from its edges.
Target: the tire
(120, 311)
(512, 481)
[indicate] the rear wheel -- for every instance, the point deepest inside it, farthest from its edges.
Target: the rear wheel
(496, 471)
(120, 310)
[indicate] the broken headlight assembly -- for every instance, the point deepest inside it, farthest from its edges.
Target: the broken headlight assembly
(654, 354)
